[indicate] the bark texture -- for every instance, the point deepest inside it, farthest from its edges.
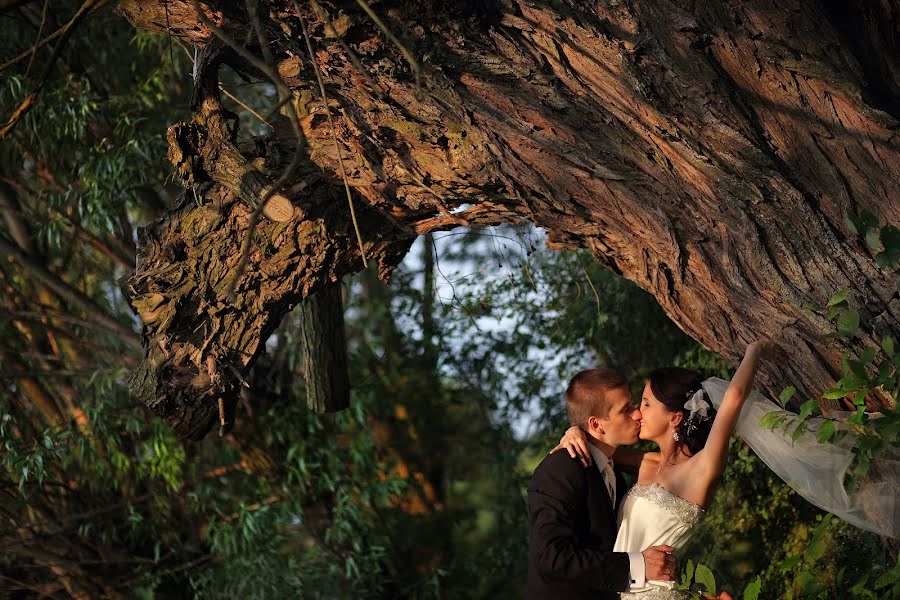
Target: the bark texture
(325, 350)
(707, 151)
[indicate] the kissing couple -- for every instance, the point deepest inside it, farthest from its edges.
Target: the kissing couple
(588, 536)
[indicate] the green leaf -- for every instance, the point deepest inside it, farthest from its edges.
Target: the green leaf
(850, 220)
(772, 419)
(705, 577)
(887, 344)
(807, 409)
(848, 323)
(873, 239)
(832, 312)
(862, 465)
(858, 417)
(816, 547)
(844, 387)
(860, 586)
(799, 430)
(867, 355)
(888, 431)
(866, 221)
(814, 551)
(751, 592)
(789, 563)
(887, 578)
(838, 298)
(688, 576)
(888, 260)
(886, 376)
(786, 394)
(807, 582)
(858, 369)
(825, 432)
(871, 444)
(890, 238)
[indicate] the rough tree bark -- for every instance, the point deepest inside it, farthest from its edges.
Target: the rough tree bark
(706, 150)
(325, 350)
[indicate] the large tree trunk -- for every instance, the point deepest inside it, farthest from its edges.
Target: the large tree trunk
(707, 151)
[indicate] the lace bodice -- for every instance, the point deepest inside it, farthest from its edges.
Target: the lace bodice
(651, 515)
(687, 512)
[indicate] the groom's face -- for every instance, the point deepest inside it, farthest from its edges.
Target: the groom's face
(623, 423)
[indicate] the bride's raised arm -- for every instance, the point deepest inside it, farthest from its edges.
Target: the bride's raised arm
(712, 456)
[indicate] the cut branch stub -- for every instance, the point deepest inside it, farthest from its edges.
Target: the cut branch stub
(204, 149)
(229, 168)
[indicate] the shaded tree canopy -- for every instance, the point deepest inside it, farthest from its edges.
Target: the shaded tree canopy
(709, 152)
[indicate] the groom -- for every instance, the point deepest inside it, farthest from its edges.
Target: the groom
(572, 509)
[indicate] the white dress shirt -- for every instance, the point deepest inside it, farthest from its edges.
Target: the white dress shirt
(605, 464)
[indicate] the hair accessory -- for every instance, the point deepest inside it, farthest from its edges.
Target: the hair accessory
(698, 407)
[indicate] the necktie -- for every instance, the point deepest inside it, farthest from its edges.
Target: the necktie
(609, 477)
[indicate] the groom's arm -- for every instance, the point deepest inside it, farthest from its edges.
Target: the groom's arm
(553, 495)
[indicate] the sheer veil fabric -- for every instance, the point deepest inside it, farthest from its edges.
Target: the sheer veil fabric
(816, 471)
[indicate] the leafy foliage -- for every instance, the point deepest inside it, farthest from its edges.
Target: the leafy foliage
(883, 241)
(874, 367)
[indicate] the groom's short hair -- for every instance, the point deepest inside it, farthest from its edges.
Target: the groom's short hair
(587, 391)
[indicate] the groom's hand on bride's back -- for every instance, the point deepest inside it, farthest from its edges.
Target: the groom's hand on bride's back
(659, 563)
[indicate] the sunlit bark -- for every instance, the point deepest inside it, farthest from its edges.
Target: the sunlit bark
(707, 151)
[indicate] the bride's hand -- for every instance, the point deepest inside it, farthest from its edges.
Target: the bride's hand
(763, 348)
(575, 441)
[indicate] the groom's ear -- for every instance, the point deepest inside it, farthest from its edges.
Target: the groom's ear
(594, 424)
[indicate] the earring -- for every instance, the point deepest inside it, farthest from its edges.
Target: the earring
(675, 436)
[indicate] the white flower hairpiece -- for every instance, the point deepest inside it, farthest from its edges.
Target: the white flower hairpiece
(698, 406)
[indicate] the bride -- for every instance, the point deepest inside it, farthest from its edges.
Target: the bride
(675, 485)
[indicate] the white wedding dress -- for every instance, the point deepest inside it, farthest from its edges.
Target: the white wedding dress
(651, 515)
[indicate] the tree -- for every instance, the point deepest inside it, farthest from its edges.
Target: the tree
(710, 153)
(100, 500)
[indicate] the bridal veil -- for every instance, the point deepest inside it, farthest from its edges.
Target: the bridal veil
(816, 470)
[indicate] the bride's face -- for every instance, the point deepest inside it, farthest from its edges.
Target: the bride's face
(656, 419)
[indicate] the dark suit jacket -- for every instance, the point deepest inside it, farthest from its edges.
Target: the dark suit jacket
(571, 532)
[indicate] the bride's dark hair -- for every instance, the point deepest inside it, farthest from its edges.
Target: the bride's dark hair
(674, 386)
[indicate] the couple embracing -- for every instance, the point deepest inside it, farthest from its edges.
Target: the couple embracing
(589, 537)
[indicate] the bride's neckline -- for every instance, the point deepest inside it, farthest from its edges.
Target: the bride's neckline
(670, 492)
